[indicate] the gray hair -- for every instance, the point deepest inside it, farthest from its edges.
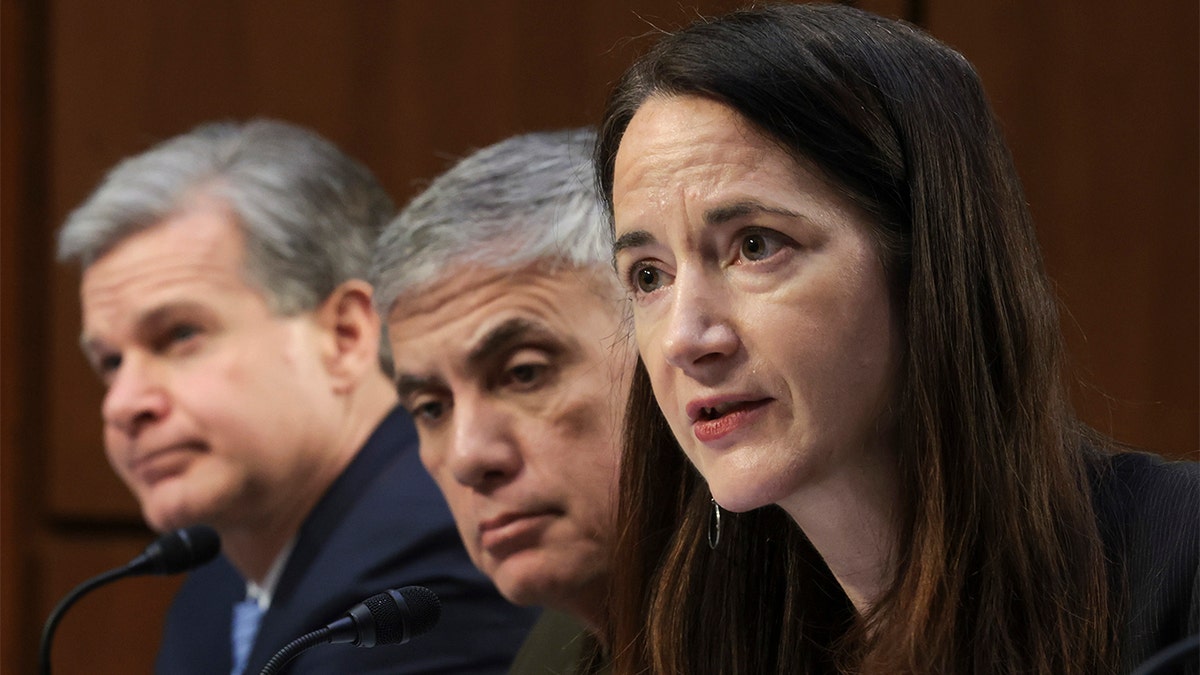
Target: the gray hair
(528, 199)
(309, 212)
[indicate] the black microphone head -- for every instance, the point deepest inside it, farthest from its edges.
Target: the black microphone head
(178, 551)
(391, 617)
(424, 609)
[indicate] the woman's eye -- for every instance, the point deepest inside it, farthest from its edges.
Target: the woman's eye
(759, 246)
(647, 279)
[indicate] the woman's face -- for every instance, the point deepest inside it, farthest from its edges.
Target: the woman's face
(761, 308)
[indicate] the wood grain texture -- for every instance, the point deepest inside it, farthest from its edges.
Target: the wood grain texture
(114, 628)
(1099, 101)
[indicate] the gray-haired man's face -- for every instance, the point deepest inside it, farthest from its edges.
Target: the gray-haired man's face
(517, 382)
(213, 410)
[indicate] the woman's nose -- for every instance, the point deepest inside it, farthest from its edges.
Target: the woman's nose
(699, 327)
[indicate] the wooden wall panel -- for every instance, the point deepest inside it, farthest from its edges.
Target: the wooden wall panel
(1099, 102)
(403, 86)
(21, 275)
(113, 629)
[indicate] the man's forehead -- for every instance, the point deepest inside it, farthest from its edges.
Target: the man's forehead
(191, 263)
(207, 240)
(473, 313)
(494, 334)
(147, 317)
(560, 282)
(455, 281)
(509, 332)
(475, 356)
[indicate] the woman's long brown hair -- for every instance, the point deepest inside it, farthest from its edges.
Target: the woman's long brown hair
(1001, 567)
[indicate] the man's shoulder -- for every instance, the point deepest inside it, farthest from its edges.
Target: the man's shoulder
(384, 524)
(383, 501)
(558, 644)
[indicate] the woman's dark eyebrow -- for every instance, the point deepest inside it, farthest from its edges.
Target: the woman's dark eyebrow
(724, 214)
(632, 240)
(714, 216)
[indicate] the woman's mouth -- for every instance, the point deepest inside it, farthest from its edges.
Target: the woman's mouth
(714, 422)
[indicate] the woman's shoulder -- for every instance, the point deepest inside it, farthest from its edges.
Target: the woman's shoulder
(1148, 502)
(1149, 515)
(1141, 485)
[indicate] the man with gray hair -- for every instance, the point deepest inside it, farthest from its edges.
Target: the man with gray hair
(226, 309)
(506, 329)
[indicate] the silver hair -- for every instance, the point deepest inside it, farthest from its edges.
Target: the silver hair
(309, 212)
(528, 199)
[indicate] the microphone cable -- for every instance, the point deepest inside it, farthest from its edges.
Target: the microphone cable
(391, 617)
(173, 552)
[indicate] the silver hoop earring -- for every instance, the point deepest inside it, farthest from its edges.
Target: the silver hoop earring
(714, 526)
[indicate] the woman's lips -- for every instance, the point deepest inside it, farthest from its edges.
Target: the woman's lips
(712, 423)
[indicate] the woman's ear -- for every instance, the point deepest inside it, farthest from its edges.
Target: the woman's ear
(352, 330)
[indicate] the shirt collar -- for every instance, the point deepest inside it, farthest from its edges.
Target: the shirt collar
(266, 590)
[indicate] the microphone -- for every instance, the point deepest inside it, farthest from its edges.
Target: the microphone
(171, 553)
(177, 551)
(391, 617)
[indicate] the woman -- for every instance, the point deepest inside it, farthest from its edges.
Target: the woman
(841, 313)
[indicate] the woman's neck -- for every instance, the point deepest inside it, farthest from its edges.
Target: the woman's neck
(851, 519)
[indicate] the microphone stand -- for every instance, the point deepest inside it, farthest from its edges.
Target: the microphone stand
(174, 552)
(391, 617)
(65, 604)
(293, 649)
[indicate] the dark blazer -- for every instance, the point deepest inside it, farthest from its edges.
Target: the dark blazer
(382, 524)
(559, 644)
(1149, 515)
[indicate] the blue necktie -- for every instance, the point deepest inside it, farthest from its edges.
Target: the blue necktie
(246, 616)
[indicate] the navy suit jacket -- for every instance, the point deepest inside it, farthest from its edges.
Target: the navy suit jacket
(382, 524)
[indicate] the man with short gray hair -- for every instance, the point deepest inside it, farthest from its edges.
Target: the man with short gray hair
(505, 322)
(226, 309)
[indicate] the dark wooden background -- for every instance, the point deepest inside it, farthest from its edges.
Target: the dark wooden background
(1099, 100)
